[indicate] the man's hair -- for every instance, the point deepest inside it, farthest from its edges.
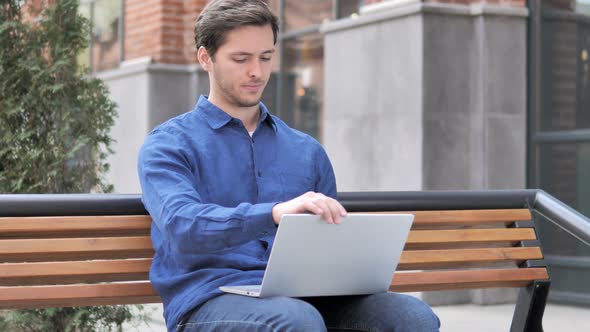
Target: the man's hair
(222, 16)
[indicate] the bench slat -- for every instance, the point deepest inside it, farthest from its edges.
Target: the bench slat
(466, 217)
(13, 274)
(75, 248)
(74, 225)
(485, 235)
(142, 292)
(430, 259)
(80, 295)
(138, 269)
(16, 250)
(447, 280)
(94, 225)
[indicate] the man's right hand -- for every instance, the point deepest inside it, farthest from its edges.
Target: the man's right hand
(311, 202)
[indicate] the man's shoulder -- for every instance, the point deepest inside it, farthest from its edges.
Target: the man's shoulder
(294, 134)
(187, 122)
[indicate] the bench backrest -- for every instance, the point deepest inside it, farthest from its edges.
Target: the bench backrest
(75, 261)
(96, 260)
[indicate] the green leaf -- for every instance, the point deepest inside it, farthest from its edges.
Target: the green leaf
(54, 133)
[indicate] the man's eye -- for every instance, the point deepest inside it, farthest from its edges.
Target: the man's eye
(240, 60)
(266, 59)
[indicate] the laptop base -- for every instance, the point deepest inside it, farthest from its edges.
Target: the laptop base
(248, 290)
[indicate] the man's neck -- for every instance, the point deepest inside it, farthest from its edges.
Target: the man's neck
(248, 115)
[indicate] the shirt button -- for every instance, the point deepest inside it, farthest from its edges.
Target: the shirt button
(259, 174)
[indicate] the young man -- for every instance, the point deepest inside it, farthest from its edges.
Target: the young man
(216, 182)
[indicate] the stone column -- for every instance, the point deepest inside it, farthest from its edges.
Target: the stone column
(428, 96)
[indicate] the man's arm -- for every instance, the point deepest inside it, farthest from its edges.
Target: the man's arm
(167, 180)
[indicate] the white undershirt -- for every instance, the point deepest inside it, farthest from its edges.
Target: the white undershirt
(251, 133)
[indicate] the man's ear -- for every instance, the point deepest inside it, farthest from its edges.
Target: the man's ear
(204, 58)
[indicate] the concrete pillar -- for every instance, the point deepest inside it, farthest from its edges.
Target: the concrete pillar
(428, 96)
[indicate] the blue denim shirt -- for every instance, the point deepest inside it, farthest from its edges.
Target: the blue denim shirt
(210, 189)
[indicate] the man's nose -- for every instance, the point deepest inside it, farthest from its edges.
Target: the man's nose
(255, 69)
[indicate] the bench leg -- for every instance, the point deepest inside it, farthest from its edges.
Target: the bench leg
(528, 313)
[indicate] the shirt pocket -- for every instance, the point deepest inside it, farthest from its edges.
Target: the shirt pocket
(295, 184)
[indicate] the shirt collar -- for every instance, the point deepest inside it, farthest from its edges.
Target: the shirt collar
(217, 118)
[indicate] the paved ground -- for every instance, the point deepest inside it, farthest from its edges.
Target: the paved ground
(496, 318)
(459, 318)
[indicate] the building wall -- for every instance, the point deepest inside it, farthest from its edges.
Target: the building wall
(161, 30)
(130, 126)
(373, 104)
(474, 100)
(432, 97)
(443, 100)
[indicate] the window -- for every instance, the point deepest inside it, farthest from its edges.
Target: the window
(105, 49)
(559, 132)
(303, 81)
(300, 68)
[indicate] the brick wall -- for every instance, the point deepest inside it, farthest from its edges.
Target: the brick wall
(142, 28)
(512, 3)
(192, 10)
(161, 29)
(517, 3)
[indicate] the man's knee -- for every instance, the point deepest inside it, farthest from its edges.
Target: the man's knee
(412, 314)
(295, 315)
(400, 312)
(240, 313)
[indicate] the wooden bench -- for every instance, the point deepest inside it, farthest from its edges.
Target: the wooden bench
(79, 250)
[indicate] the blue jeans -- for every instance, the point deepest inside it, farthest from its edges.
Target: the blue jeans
(378, 312)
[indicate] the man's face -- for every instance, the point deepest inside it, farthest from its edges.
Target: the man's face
(242, 65)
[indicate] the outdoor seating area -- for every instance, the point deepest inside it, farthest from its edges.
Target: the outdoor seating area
(85, 249)
(220, 117)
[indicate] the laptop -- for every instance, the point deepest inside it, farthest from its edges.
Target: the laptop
(312, 258)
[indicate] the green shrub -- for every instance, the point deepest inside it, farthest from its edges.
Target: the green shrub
(54, 120)
(54, 133)
(79, 319)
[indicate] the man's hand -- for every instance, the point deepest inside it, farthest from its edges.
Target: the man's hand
(311, 202)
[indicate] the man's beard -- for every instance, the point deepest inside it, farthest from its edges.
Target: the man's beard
(241, 102)
(235, 99)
